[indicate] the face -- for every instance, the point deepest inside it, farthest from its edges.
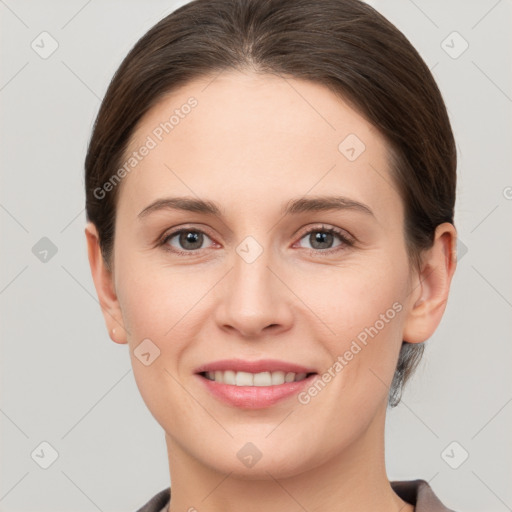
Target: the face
(268, 280)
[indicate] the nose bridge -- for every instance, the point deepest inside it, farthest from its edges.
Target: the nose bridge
(251, 265)
(252, 278)
(254, 297)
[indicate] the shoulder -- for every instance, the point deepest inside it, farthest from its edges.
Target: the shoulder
(158, 502)
(419, 493)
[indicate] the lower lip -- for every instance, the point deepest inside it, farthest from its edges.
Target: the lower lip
(254, 397)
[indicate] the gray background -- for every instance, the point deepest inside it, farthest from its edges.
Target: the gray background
(65, 383)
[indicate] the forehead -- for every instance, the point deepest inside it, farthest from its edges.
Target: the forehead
(252, 136)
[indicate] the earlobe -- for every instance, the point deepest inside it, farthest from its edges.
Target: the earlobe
(429, 294)
(105, 289)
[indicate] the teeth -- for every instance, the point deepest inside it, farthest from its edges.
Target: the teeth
(254, 379)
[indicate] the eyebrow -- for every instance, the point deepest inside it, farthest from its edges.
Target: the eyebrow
(292, 207)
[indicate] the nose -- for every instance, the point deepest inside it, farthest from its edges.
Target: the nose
(254, 299)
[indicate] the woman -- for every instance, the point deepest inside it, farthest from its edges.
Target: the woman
(304, 152)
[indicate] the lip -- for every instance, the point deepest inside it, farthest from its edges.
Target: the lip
(262, 365)
(254, 397)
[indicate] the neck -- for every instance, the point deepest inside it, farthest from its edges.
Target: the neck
(354, 480)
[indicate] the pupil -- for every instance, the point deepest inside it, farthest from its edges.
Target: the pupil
(191, 237)
(322, 238)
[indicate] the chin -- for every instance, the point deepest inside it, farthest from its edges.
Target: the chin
(247, 464)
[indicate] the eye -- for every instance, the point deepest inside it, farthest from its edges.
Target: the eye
(189, 239)
(321, 239)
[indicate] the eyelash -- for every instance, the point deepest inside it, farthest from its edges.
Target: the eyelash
(346, 241)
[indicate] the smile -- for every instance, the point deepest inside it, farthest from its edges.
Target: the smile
(235, 378)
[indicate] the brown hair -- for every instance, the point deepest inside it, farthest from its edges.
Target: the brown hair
(346, 45)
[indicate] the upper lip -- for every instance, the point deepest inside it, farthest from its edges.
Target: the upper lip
(262, 365)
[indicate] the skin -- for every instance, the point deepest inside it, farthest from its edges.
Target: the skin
(253, 143)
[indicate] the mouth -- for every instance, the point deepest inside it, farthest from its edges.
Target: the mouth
(254, 384)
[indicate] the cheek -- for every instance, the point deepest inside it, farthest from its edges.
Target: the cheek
(164, 305)
(366, 311)
(362, 296)
(161, 322)
(155, 300)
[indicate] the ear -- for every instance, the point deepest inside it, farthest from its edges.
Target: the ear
(431, 286)
(105, 289)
